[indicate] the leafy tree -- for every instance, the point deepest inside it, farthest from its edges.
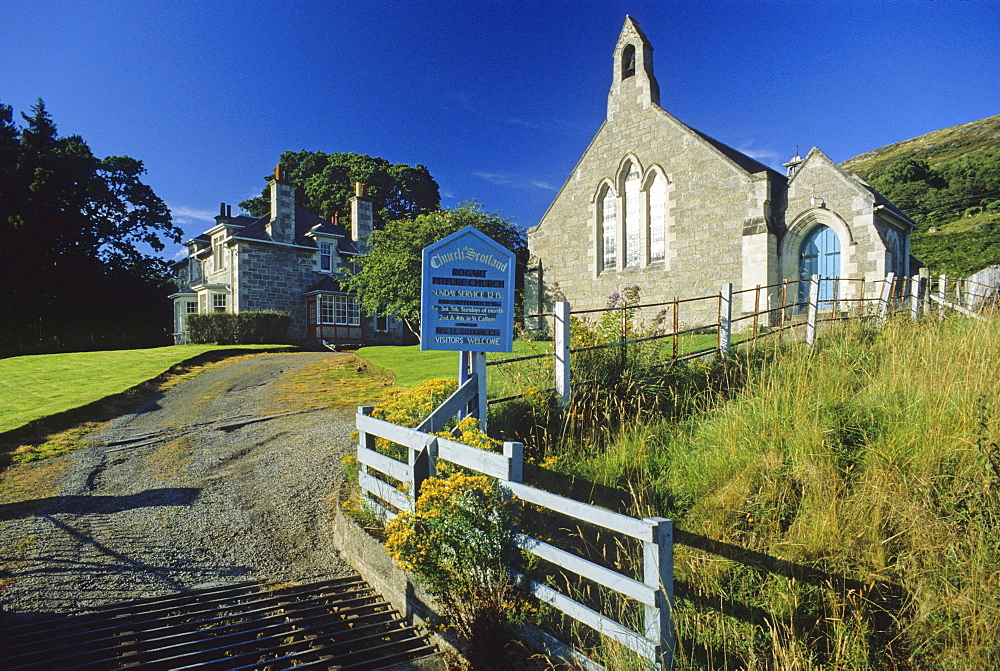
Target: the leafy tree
(387, 280)
(325, 184)
(71, 223)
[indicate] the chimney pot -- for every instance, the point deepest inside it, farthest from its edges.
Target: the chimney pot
(359, 189)
(222, 209)
(229, 210)
(277, 172)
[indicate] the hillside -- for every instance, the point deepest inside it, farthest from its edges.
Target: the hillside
(934, 147)
(948, 182)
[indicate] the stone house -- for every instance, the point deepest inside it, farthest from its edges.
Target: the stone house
(288, 260)
(656, 203)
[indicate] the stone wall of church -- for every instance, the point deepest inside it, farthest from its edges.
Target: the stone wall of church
(821, 193)
(708, 203)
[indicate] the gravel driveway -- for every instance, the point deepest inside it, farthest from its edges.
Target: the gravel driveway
(213, 480)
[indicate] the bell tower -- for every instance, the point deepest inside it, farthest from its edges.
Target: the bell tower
(633, 84)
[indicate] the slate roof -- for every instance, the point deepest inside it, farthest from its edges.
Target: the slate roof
(305, 222)
(328, 283)
(737, 157)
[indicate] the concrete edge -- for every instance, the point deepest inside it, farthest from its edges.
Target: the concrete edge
(368, 557)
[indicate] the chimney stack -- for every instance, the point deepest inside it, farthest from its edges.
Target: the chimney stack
(281, 227)
(361, 217)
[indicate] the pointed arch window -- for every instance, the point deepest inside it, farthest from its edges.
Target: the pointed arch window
(628, 61)
(657, 219)
(608, 208)
(633, 216)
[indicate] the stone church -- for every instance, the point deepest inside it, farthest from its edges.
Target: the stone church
(656, 203)
(288, 260)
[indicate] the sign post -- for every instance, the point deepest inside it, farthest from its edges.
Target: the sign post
(467, 305)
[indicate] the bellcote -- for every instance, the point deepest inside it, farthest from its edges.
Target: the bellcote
(633, 83)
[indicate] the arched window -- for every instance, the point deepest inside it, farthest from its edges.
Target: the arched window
(628, 61)
(657, 219)
(608, 211)
(633, 216)
(893, 257)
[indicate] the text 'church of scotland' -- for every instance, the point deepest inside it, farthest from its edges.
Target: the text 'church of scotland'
(655, 203)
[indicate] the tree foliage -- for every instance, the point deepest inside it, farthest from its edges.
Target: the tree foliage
(388, 277)
(325, 184)
(71, 224)
(955, 204)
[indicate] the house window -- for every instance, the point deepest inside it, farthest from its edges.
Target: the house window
(657, 219)
(382, 324)
(218, 253)
(218, 302)
(325, 256)
(633, 217)
(339, 310)
(609, 228)
(191, 307)
(326, 309)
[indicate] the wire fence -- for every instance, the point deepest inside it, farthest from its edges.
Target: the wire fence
(787, 310)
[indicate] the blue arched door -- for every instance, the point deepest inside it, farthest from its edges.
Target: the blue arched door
(819, 255)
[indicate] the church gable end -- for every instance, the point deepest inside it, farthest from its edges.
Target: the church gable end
(655, 203)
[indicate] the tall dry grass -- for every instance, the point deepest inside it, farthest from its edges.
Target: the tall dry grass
(838, 506)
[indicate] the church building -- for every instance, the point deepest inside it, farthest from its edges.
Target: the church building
(656, 203)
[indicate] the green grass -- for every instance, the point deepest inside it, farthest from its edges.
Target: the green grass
(410, 366)
(852, 490)
(33, 387)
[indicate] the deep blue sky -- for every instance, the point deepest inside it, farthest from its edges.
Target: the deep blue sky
(498, 99)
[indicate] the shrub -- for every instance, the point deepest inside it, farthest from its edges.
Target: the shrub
(239, 328)
(456, 542)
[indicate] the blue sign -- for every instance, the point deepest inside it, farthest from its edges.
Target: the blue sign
(467, 294)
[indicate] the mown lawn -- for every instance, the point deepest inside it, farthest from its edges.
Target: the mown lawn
(410, 366)
(32, 387)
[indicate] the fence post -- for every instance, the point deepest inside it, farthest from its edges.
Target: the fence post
(883, 307)
(515, 466)
(942, 294)
(813, 309)
(562, 351)
(658, 573)
(915, 286)
(473, 364)
(419, 459)
(364, 440)
(725, 318)
(756, 311)
(925, 290)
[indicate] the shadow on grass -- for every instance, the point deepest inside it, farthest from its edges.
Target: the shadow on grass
(110, 407)
(881, 605)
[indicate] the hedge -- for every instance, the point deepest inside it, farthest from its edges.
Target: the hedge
(242, 328)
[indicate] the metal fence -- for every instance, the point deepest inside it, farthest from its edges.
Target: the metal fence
(792, 309)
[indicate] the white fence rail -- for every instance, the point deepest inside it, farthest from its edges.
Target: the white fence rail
(390, 485)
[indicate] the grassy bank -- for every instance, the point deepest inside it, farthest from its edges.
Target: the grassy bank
(32, 387)
(838, 508)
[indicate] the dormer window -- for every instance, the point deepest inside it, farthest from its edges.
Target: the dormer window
(628, 62)
(325, 256)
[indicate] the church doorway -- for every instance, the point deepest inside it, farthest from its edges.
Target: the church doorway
(819, 255)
